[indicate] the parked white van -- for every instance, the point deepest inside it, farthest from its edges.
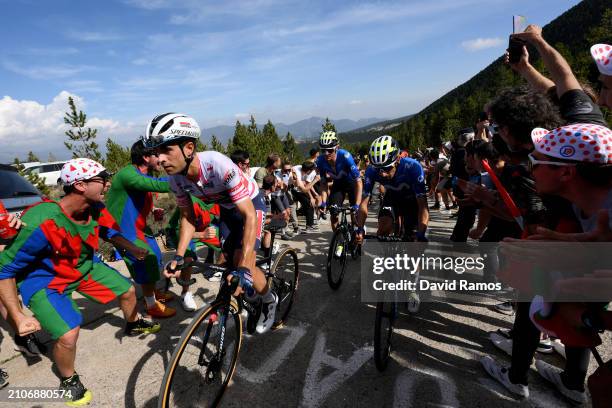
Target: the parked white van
(49, 172)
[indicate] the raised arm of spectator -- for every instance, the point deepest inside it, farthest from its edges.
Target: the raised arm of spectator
(559, 69)
(535, 79)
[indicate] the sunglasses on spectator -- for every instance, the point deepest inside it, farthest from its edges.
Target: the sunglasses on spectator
(534, 162)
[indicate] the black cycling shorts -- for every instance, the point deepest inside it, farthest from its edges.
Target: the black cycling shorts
(339, 191)
(400, 205)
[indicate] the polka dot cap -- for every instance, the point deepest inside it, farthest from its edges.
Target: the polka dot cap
(80, 169)
(582, 142)
(602, 54)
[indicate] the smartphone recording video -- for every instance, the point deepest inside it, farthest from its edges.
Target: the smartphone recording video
(515, 46)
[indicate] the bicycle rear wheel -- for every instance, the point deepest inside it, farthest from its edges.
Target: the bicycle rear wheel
(204, 359)
(336, 258)
(386, 312)
(284, 280)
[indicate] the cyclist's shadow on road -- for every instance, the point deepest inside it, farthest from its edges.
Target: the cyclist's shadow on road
(431, 323)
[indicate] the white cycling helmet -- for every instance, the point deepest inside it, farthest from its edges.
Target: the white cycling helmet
(383, 151)
(170, 128)
(328, 139)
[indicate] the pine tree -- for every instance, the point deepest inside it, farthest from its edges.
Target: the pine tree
(269, 140)
(215, 144)
(241, 140)
(32, 157)
(328, 125)
(117, 156)
(291, 151)
(82, 141)
(201, 147)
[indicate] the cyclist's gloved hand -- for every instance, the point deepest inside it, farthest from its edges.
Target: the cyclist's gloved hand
(420, 237)
(355, 208)
(245, 279)
(173, 268)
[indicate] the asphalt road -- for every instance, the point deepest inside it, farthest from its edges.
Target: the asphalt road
(323, 357)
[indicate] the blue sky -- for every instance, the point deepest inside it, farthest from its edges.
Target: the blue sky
(284, 60)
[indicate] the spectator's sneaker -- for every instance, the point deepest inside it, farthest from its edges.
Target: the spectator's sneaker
(323, 216)
(545, 346)
(160, 310)
(188, 302)
(141, 326)
(286, 237)
(504, 308)
(215, 277)
(3, 378)
(268, 313)
(500, 374)
(501, 342)
(436, 206)
(312, 228)
(74, 391)
(559, 347)
(164, 296)
(29, 345)
(553, 374)
(298, 231)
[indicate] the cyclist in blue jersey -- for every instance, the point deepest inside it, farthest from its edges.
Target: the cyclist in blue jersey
(338, 165)
(404, 182)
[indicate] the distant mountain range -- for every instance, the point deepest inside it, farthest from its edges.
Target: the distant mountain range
(370, 131)
(303, 130)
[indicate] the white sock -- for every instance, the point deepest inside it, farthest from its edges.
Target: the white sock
(150, 300)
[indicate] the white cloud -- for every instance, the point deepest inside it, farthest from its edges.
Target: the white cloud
(478, 44)
(78, 86)
(50, 51)
(355, 102)
(43, 72)
(29, 125)
(93, 36)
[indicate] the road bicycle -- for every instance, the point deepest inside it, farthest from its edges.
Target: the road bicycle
(205, 358)
(341, 245)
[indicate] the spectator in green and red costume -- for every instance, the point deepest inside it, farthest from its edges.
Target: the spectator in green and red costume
(54, 255)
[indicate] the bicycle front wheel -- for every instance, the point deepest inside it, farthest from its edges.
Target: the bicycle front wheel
(386, 312)
(336, 258)
(204, 359)
(284, 280)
